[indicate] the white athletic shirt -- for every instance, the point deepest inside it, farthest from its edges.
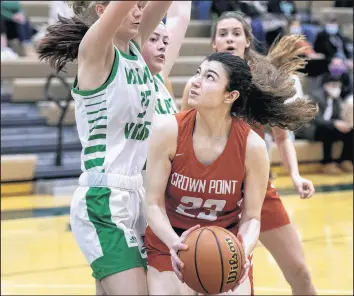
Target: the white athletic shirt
(164, 102)
(114, 121)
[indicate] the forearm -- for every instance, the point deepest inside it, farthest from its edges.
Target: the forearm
(159, 223)
(288, 156)
(249, 230)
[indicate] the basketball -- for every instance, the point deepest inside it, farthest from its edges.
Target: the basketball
(214, 260)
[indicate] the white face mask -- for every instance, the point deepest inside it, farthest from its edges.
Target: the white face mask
(334, 92)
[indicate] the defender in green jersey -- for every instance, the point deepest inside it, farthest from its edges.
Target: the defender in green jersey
(114, 94)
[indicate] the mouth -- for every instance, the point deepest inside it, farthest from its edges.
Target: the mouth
(161, 57)
(230, 49)
(193, 93)
(136, 24)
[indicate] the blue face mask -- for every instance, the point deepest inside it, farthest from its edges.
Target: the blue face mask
(295, 30)
(331, 29)
(286, 8)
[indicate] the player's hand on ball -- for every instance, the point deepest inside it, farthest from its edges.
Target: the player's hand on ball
(245, 268)
(304, 187)
(177, 264)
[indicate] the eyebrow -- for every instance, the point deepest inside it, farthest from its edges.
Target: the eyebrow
(209, 70)
(225, 29)
(212, 71)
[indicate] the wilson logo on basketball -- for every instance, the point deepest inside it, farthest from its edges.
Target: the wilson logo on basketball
(232, 262)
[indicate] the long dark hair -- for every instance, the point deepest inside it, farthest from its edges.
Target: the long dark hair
(263, 93)
(60, 44)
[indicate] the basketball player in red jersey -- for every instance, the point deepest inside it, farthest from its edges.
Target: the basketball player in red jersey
(232, 34)
(198, 161)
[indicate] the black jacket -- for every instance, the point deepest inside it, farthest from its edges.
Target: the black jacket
(308, 132)
(323, 44)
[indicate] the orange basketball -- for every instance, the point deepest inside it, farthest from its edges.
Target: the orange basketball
(214, 260)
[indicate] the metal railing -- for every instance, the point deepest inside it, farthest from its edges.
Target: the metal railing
(63, 104)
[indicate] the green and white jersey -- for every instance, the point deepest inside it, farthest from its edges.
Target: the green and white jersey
(114, 120)
(164, 101)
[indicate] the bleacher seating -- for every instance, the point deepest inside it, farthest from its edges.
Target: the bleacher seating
(28, 120)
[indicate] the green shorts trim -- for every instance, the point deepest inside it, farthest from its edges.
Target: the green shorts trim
(119, 246)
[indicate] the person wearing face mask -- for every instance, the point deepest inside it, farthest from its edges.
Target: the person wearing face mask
(294, 27)
(331, 43)
(328, 127)
(339, 68)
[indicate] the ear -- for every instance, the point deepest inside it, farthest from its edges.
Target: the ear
(248, 44)
(100, 9)
(231, 97)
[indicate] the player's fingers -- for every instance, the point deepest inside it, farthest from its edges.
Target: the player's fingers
(300, 190)
(175, 258)
(312, 190)
(184, 234)
(176, 270)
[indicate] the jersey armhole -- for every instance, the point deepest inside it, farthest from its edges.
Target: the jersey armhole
(110, 78)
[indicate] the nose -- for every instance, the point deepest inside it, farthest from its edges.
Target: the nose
(195, 81)
(230, 38)
(162, 46)
(138, 12)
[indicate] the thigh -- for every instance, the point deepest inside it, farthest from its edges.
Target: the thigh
(102, 225)
(128, 282)
(166, 283)
(99, 288)
(285, 246)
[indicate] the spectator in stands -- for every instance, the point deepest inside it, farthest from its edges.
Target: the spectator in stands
(15, 25)
(286, 8)
(328, 127)
(6, 52)
(294, 27)
(331, 43)
(281, 11)
(340, 69)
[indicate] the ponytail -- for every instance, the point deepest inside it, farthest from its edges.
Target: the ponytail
(61, 42)
(273, 85)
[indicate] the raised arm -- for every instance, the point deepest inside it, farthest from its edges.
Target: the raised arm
(256, 179)
(178, 17)
(96, 50)
(162, 149)
(153, 13)
(98, 39)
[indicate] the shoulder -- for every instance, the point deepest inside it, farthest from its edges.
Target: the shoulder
(164, 135)
(164, 127)
(256, 146)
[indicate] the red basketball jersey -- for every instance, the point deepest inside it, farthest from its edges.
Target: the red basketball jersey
(206, 194)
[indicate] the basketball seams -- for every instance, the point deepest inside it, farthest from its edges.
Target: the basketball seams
(195, 261)
(221, 260)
